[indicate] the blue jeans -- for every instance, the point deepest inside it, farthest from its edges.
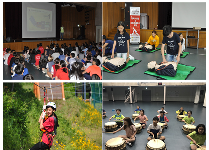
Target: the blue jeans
(171, 58)
(123, 55)
(61, 35)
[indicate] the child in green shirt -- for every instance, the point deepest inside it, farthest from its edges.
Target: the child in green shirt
(189, 119)
(197, 137)
(119, 118)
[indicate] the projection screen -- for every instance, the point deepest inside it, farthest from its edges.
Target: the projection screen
(188, 14)
(38, 20)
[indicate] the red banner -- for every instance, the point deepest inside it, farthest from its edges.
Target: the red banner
(135, 24)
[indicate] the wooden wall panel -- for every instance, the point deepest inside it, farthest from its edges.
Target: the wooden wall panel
(90, 28)
(71, 18)
(19, 46)
(202, 39)
(112, 14)
(151, 8)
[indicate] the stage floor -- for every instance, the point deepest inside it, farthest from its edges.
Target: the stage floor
(196, 58)
(175, 138)
(41, 39)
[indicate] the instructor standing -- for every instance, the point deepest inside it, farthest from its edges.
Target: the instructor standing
(61, 32)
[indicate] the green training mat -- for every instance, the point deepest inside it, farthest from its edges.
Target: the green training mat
(139, 50)
(184, 54)
(183, 71)
(129, 64)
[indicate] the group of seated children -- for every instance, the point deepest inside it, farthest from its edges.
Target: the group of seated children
(154, 130)
(198, 136)
(63, 63)
(16, 64)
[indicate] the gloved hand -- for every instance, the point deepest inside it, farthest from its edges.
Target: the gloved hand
(43, 114)
(44, 107)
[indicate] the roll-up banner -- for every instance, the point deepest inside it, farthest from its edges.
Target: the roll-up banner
(135, 25)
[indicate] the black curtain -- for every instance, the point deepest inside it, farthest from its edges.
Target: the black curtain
(165, 14)
(58, 19)
(13, 18)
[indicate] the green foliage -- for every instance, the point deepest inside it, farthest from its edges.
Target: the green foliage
(16, 105)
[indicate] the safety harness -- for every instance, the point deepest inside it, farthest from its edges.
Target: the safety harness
(50, 135)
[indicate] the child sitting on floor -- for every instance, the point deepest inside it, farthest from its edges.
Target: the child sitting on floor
(70, 60)
(103, 114)
(130, 131)
(37, 58)
(162, 109)
(49, 66)
(155, 130)
(137, 110)
(19, 69)
(153, 40)
(119, 118)
(42, 64)
(188, 119)
(17, 61)
(25, 69)
(181, 111)
(76, 73)
(88, 62)
(143, 118)
(55, 67)
(197, 137)
(182, 40)
(61, 56)
(94, 69)
(56, 54)
(32, 57)
(62, 72)
(163, 119)
(6, 56)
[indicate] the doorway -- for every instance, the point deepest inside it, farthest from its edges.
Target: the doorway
(146, 95)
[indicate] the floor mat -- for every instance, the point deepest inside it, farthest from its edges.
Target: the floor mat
(139, 50)
(183, 71)
(129, 64)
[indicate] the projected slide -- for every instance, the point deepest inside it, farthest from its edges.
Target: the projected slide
(39, 19)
